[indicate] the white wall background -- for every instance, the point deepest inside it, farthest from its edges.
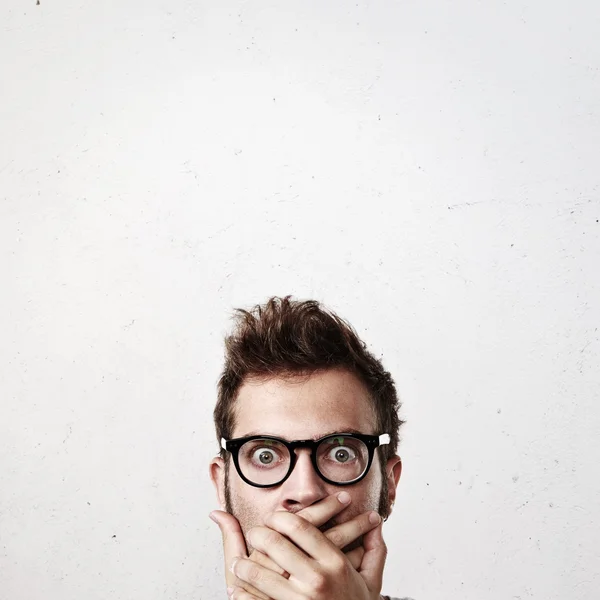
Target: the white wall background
(429, 169)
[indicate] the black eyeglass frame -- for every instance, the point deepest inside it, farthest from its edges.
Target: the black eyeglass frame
(371, 442)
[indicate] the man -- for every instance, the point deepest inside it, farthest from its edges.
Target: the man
(307, 422)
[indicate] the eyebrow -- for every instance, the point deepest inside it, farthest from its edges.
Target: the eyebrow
(314, 437)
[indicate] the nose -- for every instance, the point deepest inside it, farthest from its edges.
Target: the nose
(304, 486)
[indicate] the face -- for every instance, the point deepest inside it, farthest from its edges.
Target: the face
(299, 408)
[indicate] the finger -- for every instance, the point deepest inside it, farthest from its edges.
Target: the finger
(282, 551)
(234, 545)
(249, 588)
(262, 559)
(344, 534)
(304, 535)
(241, 594)
(319, 513)
(373, 562)
(265, 580)
(355, 557)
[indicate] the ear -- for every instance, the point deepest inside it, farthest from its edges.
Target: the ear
(217, 476)
(393, 471)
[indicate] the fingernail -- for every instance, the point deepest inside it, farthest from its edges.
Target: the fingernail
(212, 517)
(344, 497)
(230, 591)
(233, 563)
(374, 518)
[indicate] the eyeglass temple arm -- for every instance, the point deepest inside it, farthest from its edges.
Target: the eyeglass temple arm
(224, 443)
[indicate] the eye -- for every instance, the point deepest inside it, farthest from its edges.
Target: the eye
(264, 456)
(341, 454)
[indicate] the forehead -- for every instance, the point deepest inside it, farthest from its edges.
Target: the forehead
(304, 407)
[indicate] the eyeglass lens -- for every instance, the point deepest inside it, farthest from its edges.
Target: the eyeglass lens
(339, 458)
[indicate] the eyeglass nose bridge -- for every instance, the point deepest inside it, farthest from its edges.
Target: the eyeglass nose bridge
(298, 445)
(310, 444)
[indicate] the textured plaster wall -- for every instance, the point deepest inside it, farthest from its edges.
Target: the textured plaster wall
(429, 169)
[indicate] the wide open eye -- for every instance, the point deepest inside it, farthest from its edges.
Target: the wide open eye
(341, 454)
(263, 461)
(264, 457)
(260, 454)
(342, 458)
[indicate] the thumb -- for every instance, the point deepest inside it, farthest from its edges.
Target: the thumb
(373, 560)
(234, 544)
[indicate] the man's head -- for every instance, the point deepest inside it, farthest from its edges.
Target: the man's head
(296, 371)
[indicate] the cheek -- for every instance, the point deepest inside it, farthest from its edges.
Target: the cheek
(368, 494)
(250, 505)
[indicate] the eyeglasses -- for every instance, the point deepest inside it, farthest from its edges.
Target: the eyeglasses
(340, 459)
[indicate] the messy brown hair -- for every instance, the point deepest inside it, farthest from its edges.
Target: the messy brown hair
(286, 337)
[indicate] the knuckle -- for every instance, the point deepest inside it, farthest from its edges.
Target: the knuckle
(253, 574)
(338, 565)
(318, 583)
(272, 538)
(336, 537)
(298, 524)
